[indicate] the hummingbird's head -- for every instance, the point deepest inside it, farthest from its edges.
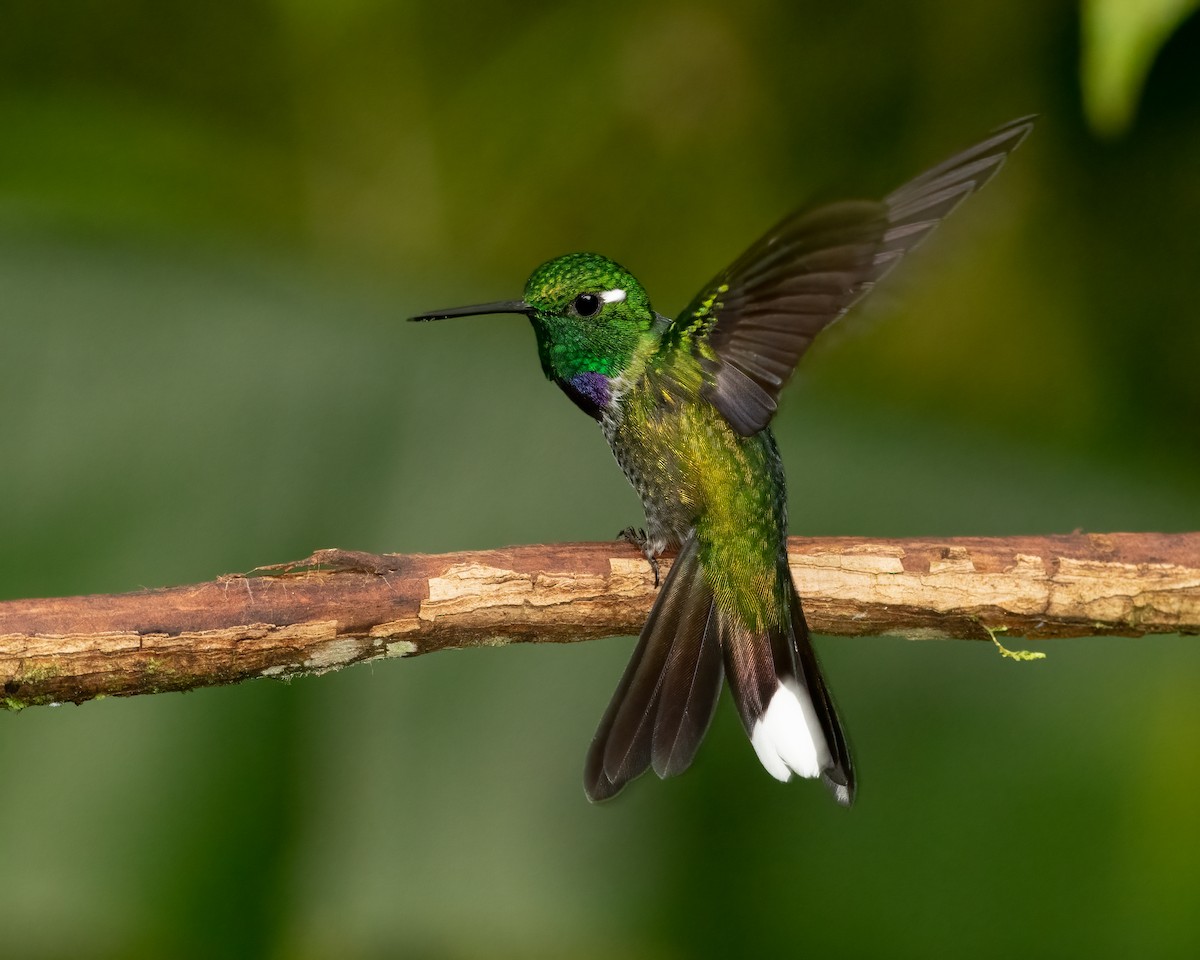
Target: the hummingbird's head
(590, 316)
(592, 320)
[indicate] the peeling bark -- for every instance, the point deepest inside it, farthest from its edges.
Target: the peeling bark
(340, 607)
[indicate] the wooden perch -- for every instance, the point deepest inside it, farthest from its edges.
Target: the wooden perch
(339, 607)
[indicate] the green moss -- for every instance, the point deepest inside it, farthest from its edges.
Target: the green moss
(39, 674)
(1021, 656)
(16, 704)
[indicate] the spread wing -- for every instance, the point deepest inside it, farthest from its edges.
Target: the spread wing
(753, 322)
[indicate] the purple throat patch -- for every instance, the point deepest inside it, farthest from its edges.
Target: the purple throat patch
(593, 387)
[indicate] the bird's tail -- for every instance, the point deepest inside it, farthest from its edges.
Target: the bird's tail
(666, 698)
(787, 711)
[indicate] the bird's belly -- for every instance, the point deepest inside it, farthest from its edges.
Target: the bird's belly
(688, 467)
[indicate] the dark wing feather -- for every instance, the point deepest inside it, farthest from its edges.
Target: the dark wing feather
(751, 325)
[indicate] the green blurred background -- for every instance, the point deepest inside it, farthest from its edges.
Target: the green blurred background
(213, 218)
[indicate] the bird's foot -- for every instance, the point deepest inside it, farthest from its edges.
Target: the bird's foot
(637, 537)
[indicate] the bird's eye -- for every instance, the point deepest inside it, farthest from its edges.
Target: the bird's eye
(587, 304)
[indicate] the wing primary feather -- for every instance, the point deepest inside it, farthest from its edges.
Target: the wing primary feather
(760, 315)
(1001, 142)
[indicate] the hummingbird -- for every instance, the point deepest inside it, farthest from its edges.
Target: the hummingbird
(686, 406)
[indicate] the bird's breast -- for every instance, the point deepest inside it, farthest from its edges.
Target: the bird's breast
(689, 466)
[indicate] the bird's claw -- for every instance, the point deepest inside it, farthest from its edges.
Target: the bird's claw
(637, 537)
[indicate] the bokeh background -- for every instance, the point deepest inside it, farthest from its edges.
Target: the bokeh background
(213, 218)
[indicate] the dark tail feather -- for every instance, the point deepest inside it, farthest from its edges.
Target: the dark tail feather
(784, 704)
(666, 698)
(839, 775)
(690, 689)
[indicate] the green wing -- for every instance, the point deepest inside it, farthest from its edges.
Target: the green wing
(751, 325)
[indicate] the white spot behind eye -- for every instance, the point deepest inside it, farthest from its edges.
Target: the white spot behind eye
(612, 296)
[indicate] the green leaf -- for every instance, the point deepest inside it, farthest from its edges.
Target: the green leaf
(1120, 41)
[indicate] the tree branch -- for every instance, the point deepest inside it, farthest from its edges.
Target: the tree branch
(339, 607)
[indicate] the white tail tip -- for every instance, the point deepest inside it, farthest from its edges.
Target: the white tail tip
(788, 737)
